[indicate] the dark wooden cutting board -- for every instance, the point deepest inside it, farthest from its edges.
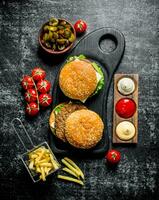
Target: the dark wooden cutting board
(91, 48)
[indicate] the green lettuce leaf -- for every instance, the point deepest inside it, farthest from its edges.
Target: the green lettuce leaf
(101, 81)
(71, 58)
(57, 109)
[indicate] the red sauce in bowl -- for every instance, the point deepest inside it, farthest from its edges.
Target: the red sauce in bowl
(125, 108)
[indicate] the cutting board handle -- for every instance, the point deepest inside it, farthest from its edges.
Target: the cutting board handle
(109, 60)
(118, 38)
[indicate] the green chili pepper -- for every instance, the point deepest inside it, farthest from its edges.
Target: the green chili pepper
(50, 35)
(51, 28)
(48, 45)
(45, 37)
(67, 43)
(53, 21)
(61, 47)
(67, 33)
(67, 26)
(60, 27)
(72, 38)
(61, 41)
(54, 46)
(53, 40)
(63, 23)
(55, 35)
(46, 28)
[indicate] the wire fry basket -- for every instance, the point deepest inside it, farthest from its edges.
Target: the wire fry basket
(25, 156)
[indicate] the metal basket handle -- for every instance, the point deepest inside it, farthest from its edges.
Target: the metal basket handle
(12, 123)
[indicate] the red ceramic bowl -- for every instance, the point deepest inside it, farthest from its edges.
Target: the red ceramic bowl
(50, 51)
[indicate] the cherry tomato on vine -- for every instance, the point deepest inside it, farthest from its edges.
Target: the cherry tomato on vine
(32, 109)
(27, 82)
(113, 156)
(30, 95)
(38, 74)
(45, 100)
(80, 26)
(43, 86)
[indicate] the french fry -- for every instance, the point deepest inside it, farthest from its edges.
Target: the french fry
(43, 174)
(47, 169)
(70, 172)
(31, 165)
(45, 160)
(70, 179)
(75, 166)
(38, 170)
(54, 163)
(47, 150)
(42, 161)
(40, 155)
(33, 156)
(45, 164)
(70, 167)
(38, 150)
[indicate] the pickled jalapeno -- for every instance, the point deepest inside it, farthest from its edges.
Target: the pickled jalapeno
(57, 34)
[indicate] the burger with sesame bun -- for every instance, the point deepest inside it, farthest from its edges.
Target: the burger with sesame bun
(74, 124)
(81, 78)
(58, 116)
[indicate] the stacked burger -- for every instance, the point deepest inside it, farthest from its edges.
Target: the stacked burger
(71, 121)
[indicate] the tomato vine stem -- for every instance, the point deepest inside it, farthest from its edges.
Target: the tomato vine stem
(36, 93)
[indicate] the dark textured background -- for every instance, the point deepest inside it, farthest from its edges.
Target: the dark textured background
(136, 177)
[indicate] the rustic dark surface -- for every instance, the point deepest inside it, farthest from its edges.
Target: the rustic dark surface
(136, 177)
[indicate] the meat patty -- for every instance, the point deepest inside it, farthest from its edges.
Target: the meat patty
(62, 116)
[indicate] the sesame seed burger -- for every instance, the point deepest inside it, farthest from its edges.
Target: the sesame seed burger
(83, 129)
(80, 78)
(59, 115)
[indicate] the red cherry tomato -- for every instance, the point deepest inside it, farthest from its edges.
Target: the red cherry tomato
(125, 108)
(30, 95)
(32, 109)
(43, 86)
(80, 26)
(113, 156)
(45, 100)
(27, 82)
(38, 74)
